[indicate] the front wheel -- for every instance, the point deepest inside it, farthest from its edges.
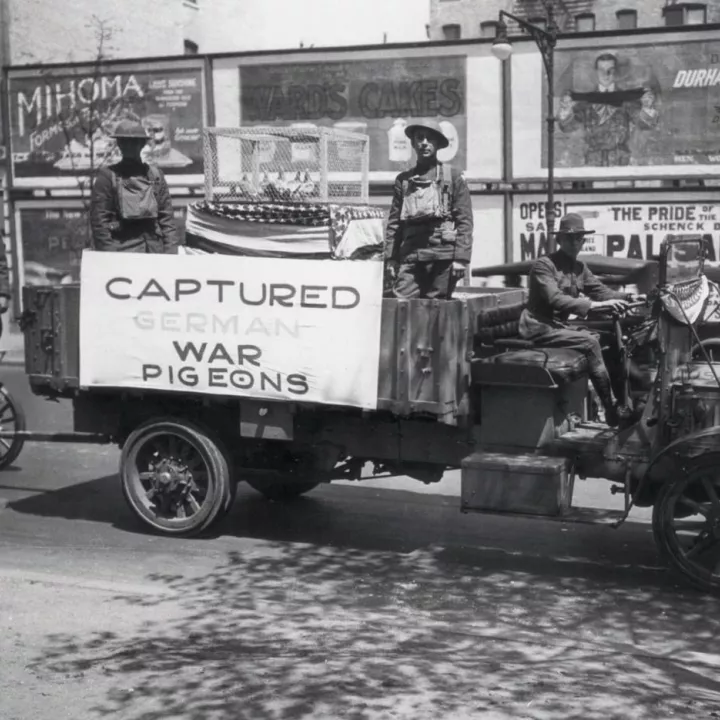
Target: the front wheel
(686, 524)
(175, 477)
(12, 419)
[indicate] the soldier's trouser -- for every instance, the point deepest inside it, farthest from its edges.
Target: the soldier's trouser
(588, 344)
(425, 280)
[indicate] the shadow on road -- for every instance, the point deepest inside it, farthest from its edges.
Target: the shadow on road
(99, 500)
(297, 631)
(364, 519)
(366, 605)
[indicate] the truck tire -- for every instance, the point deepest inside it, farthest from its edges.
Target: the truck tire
(175, 477)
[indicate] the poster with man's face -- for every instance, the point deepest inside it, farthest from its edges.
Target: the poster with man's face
(650, 105)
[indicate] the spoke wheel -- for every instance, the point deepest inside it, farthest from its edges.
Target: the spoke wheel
(12, 419)
(686, 524)
(175, 477)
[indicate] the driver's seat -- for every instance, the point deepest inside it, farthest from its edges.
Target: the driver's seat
(519, 361)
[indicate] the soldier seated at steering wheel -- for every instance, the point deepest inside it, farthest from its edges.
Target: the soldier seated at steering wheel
(560, 285)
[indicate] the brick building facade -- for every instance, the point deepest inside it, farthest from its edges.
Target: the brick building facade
(457, 19)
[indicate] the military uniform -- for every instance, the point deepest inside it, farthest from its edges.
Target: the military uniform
(130, 208)
(430, 226)
(113, 234)
(560, 286)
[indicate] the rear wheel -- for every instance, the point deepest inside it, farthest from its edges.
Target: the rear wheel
(175, 477)
(12, 419)
(686, 523)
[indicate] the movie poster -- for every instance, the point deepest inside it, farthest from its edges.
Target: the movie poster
(61, 122)
(649, 105)
(620, 229)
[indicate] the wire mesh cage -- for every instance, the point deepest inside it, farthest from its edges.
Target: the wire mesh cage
(286, 164)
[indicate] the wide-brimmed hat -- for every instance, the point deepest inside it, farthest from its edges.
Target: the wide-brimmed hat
(433, 127)
(130, 129)
(572, 224)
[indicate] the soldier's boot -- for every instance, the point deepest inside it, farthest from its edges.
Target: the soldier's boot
(603, 387)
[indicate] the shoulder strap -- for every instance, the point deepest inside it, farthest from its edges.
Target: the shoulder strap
(114, 179)
(446, 182)
(153, 172)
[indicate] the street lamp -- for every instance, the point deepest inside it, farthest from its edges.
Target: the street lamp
(545, 38)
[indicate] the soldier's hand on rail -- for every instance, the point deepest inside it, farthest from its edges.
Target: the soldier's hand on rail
(632, 298)
(611, 306)
(391, 267)
(458, 269)
(4, 304)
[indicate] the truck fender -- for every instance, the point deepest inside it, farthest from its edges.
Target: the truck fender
(673, 457)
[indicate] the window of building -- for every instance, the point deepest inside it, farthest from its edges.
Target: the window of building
(674, 15)
(451, 32)
(488, 29)
(585, 22)
(626, 19)
(191, 48)
(685, 14)
(696, 15)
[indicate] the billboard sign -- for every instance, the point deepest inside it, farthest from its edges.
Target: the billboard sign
(52, 240)
(621, 229)
(379, 98)
(625, 107)
(61, 120)
(647, 105)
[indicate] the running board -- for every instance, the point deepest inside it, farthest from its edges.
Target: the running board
(588, 438)
(573, 515)
(58, 437)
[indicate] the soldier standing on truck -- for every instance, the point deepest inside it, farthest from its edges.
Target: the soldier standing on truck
(428, 240)
(131, 209)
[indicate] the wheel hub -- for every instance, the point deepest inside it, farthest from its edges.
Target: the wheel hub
(169, 475)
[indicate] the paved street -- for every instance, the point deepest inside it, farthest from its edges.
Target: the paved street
(356, 602)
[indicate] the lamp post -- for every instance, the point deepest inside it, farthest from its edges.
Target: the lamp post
(545, 38)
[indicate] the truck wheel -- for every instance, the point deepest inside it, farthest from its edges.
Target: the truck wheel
(175, 477)
(12, 419)
(686, 524)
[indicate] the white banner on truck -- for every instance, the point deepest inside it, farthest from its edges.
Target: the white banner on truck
(277, 329)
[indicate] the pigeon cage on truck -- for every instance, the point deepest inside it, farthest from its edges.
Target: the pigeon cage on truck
(286, 164)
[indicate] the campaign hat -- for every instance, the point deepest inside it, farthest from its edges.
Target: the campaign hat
(130, 129)
(572, 224)
(433, 127)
